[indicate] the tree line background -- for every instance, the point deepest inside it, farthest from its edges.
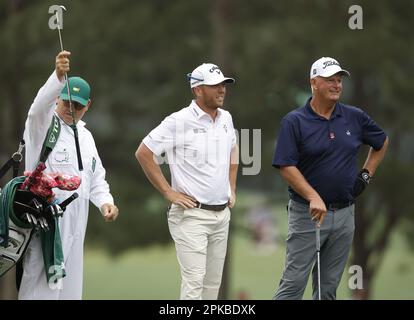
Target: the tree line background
(135, 55)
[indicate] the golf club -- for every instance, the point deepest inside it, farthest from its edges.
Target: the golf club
(74, 128)
(318, 261)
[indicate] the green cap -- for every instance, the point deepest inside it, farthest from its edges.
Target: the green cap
(79, 90)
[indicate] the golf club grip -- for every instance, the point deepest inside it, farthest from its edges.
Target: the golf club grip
(66, 202)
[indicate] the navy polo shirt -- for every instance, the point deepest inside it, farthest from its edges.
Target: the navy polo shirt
(325, 151)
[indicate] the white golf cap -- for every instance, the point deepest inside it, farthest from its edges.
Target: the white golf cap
(326, 67)
(208, 74)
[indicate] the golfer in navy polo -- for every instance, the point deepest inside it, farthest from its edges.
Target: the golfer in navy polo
(316, 153)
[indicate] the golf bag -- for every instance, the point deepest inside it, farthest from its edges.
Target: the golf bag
(13, 238)
(27, 205)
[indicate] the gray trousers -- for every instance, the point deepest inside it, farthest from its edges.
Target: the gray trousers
(336, 236)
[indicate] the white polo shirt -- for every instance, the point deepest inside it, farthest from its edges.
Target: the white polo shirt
(198, 152)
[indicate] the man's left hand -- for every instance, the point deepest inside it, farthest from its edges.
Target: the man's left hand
(361, 182)
(232, 200)
(109, 212)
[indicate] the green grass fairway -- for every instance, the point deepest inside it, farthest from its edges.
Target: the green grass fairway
(153, 273)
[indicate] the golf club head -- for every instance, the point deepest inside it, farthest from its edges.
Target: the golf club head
(27, 215)
(57, 18)
(34, 221)
(44, 224)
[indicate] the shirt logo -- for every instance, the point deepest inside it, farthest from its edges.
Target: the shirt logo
(225, 127)
(199, 130)
(348, 133)
(62, 156)
(93, 164)
(332, 135)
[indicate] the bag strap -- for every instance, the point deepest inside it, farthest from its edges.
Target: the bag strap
(51, 138)
(48, 144)
(14, 162)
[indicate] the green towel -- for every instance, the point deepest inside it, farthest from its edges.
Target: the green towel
(52, 253)
(51, 241)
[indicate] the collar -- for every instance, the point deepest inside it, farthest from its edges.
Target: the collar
(199, 113)
(337, 112)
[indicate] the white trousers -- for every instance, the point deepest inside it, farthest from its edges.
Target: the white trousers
(200, 238)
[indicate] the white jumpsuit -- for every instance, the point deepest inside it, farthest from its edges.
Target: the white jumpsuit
(72, 225)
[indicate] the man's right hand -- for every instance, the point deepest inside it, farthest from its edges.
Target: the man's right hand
(62, 64)
(317, 210)
(181, 199)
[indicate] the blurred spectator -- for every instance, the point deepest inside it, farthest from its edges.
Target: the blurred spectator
(263, 228)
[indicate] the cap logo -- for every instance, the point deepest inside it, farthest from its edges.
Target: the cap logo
(215, 68)
(314, 71)
(330, 63)
(76, 89)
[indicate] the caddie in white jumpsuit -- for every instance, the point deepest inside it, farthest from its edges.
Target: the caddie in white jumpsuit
(201, 148)
(52, 99)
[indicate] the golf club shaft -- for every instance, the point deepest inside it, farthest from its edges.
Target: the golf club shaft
(66, 75)
(72, 112)
(319, 276)
(318, 262)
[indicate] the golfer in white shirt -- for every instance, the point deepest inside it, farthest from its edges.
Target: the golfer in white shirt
(199, 142)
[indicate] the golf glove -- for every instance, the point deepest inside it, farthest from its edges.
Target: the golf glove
(361, 182)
